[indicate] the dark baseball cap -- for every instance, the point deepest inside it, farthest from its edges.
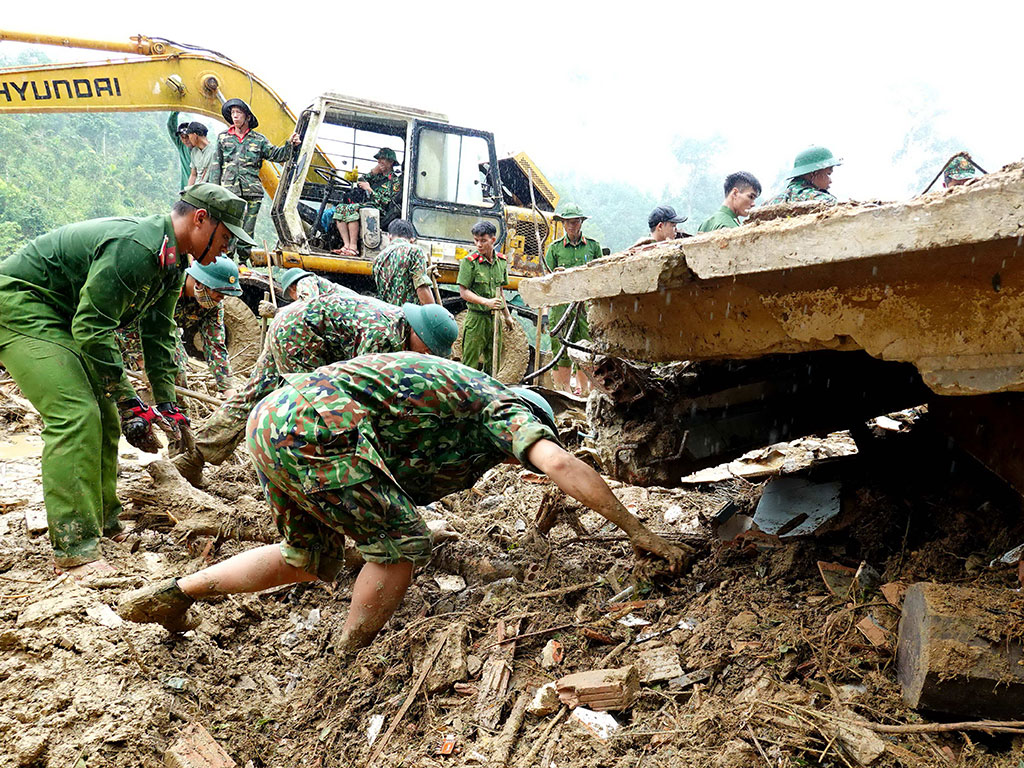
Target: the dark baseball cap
(182, 129)
(664, 213)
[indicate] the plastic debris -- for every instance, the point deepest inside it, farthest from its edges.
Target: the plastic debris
(629, 620)
(301, 624)
(373, 731)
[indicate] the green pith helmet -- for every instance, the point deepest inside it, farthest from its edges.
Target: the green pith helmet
(570, 211)
(434, 325)
(220, 276)
(225, 111)
(540, 407)
(960, 167)
(291, 276)
(222, 204)
(386, 153)
(811, 160)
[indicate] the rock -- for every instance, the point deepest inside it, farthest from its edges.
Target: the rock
(31, 748)
(545, 701)
(742, 622)
(673, 515)
(196, 748)
(450, 666)
(474, 664)
(35, 520)
(551, 655)
(600, 689)
(955, 654)
(862, 745)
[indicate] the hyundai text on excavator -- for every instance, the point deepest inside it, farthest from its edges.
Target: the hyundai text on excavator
(452, 175)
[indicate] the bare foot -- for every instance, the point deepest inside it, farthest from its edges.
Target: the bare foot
(95, 568)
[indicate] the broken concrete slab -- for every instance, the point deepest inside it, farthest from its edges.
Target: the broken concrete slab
(960, 652)
(196, 748)
(795, 506)
(35, 520)
(659, 662)
(600, 689)
(545, 701)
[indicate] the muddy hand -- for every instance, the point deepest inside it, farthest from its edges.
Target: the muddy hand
(678, 557)
(137, 425)
(176, 425)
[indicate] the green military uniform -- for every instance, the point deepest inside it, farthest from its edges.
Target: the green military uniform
(484, 278)
(184, 153)
(398, 271)
(303, 337)
(562, 253)
(352, 448)
(386, 197)
(801, 189)
(61, 297)
(237, 167)
(723, 218)
(209, 322)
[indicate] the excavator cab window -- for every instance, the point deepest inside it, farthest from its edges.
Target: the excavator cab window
(455, 177)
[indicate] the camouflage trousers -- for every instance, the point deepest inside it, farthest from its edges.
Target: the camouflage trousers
(580, 333)
(478, 341)
(238, 251)
(130, 344)
(314, 520)
(346, 212)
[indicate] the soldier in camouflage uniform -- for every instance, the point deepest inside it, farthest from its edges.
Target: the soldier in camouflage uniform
(300, 285)
(352, 449)
(384, 188)
(400, 271)
(199, 306)
(810, 178)
(959, 170)
(240, 155)
(306, 335)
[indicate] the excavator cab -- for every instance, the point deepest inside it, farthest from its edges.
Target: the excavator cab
(450, 180)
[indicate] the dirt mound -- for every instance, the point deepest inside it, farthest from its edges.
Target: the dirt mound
(515, 353)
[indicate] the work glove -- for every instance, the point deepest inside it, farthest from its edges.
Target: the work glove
(137, 422)
(266, 309)
(178, 430)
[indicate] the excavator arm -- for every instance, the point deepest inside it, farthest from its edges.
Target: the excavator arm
(164, 78)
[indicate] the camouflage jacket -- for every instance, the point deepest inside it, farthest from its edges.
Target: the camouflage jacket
(237, 164)
(387, 190)
(399, 270)
(189, 316)
(431, 425)
(326, 329)
(801, 189)
(314, 286)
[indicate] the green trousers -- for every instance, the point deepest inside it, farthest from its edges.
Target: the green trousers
(478, 341)
(81, 428)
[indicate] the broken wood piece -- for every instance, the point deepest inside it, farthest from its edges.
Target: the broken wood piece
(196, 748)
(600, 689)
(960, 650)
(531, 756)
(547, 631)
(495, 675)
(507, 739)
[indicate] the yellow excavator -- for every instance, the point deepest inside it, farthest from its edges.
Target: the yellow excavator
(452, 175)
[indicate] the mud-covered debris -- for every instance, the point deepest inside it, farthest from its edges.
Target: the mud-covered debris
(448, 582)
(600, 724)
(35, 520)
(545, 701)
(863, 746)
(196, 748)
(601, 689)
(551, 654)
(960, 651)
(659, 661)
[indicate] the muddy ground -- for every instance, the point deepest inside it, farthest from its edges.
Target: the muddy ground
(771, 658)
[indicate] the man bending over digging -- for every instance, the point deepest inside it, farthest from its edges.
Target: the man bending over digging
(351, 449)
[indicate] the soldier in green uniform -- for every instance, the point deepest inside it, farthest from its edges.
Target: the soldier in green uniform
(351, 449)
(810, 178)
(240, 155)
(306, 335)
(482, 274)
(573, 250)
(182, 141)
(741, 190)
(61, 298)
(400, 271)
(384, 188)
(199, 308)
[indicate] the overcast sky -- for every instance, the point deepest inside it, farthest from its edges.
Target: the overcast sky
(609, 94)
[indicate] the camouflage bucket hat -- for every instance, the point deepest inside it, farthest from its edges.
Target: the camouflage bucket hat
(570, 211)
(223, 205)
(959, 168)
(434, 325)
